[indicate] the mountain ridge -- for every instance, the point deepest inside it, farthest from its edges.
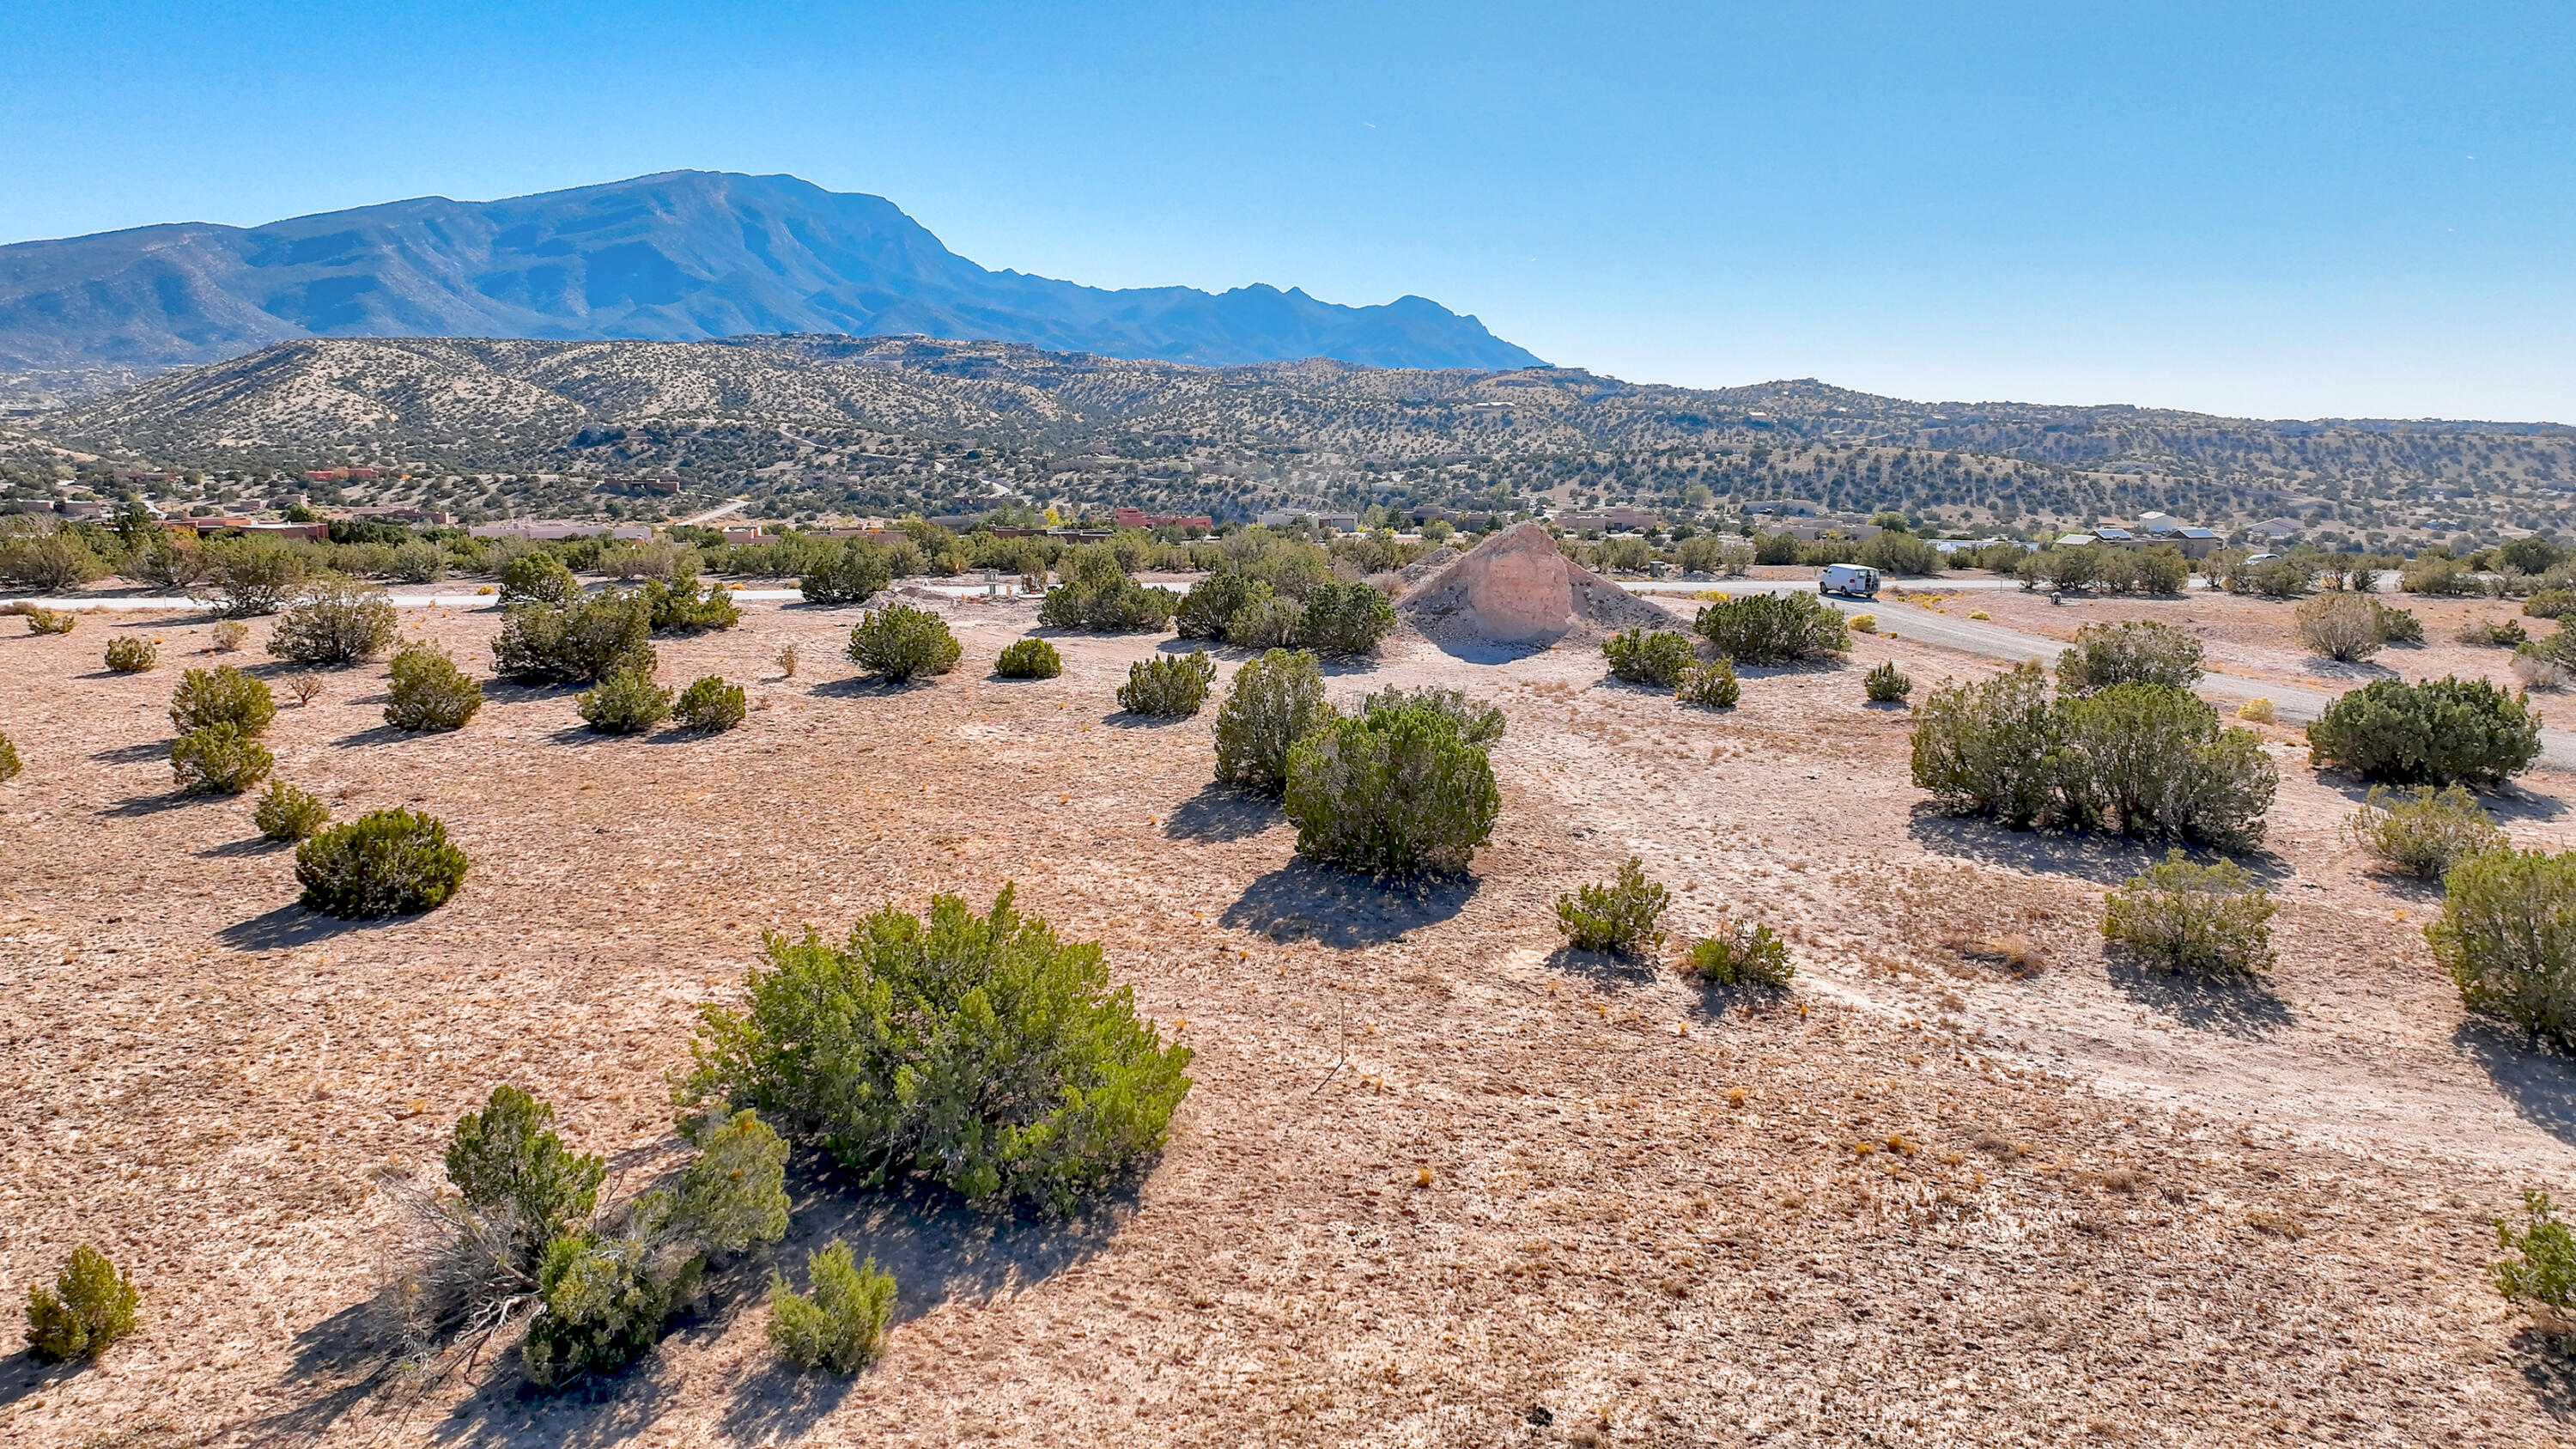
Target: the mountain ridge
(675, 256)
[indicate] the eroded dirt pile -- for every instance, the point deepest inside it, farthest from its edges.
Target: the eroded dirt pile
(1515, 588)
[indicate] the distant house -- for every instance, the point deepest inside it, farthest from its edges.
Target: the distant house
(402, 515)
(640, 486)
(1619, 518)
(2279, 530)
(312, 532)
(1139, 518)
(1331, 522)
(1785, 507)
(1810, 532)
(546, 532)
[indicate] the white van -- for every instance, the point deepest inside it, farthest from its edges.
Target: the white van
(1852, 581)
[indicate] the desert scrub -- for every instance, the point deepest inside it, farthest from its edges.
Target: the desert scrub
(1098, 595)
(1774, 629)
(2494, 634)
(1741, 953)
(2342, 626)
(624, 703)
(2420, 831)
(221, 695)
(2144, 760)
(1885, 684)
(680, 606)
(9, 762)
(2398, 626)
(227, 636)
(1863, 623)
(51, 621)
(1659, 658)
(711, 706)
(1713, 685)
(1344, 620)
(1983, 748)
(90, 1306)
(2142, 652)
(538, 578)
(2441, 732)
(1273, 702)
(1011, 1072)
(899, 643)
(127, 654)
(221, 759)
(840, 1324)
(2257, 710)
(1205, 610)
(1478, 723)
(1395, 791)
(850, 575)
(334, 620)
(577, 643)
(1265, 623)
(2538, 1270)
(1029, 659)
(1168, 686)
(1620, 917)
(388, 863)
(2550, 603)
(2507, 936)
(429, 692)
(2214, 920)
(287, 814)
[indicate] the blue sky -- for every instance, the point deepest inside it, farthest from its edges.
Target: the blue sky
(2280, 210)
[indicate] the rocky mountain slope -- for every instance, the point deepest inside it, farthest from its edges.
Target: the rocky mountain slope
(686, 255)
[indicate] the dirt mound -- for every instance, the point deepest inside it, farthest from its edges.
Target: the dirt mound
(1515, 588)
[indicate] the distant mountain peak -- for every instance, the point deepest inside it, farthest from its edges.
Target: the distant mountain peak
(673, 256)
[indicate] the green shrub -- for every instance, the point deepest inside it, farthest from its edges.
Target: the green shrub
(711, 705)
(1478, 723)
(1712, 686)
(624, 703)
(1659, 658)
(1029, 659)
(1742, 953)
(1885, 684)
(850, 574)
(1395, 792)
(335, 620)
(1266, 622)
(221, 695)
(841, 1323)
(512, 1171)
(52, 561)
(2540, 1270)
(2139, 652)
(576, 643)
(2158, 571)
(1985, 748)
(1896, 552)
(416, 562)
(388, 863)
(1168, 685)
(9, 763)
(221, 759)
(977, 1051)
(2442, 732)
(127, 654)
(2398, 626)
(2507, 935)
(1205, 610)
(2342, 626)
(2550, 603)
(1273, 702)
(2440, 578)
(2494, 634)
(899, 643)
(90, 1306)
(251, 575)
(2278, 578)
(1774, 629)
(1343, 620)
(1098, 595)
(2209, 919)
(2421, 832)
(429, 692)
(539, 578)
(2145, 760)
(1619, 917)
(287, 814)
(681, 607)
(51, 621)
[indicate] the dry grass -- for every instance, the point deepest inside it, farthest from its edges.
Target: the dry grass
(1623, 1200)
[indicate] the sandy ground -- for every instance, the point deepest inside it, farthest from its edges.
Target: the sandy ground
(2098, 1205)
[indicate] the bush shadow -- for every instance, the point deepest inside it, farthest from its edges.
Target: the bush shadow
(2086, 855)
(2541, 1084)
(1119, 719)
(22, 1374)
(2238, 1006)
(383, 734)
(135, 754)
(1221, 812)
(1717, 999)
(337, 1365)
(292, 925)
(864, 686)
(249, 845)
(138, 805)
(2547, 1362)
(1479, 651)
(1338, 909)
(1606, 968)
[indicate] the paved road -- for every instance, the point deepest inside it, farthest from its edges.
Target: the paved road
(2295, 702)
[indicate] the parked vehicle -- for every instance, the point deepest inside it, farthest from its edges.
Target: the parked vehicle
(1852, 581)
